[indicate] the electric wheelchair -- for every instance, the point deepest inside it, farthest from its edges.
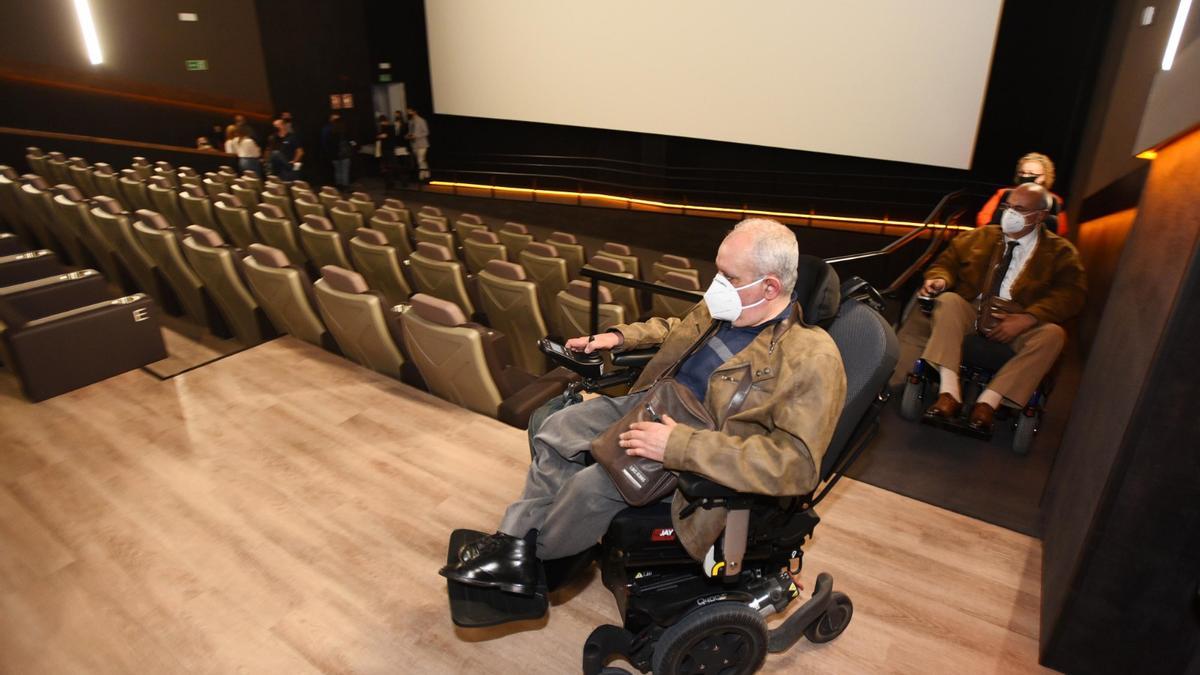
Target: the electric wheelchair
(682, 616)
(981, 359)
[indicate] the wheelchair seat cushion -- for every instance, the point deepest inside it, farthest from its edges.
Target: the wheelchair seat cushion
(981, 352)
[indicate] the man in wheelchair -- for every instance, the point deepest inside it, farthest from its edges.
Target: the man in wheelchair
(774, 386)
(1015, 284)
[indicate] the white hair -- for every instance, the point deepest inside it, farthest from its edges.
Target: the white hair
(774, 251)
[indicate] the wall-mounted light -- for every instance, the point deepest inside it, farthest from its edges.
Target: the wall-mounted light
(1147, 154)
(1176, 33)
(84, 11)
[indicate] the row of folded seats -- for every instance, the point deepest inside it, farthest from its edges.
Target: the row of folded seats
(457, 309)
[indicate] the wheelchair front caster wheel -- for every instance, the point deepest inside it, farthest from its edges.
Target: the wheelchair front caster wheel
(912, 403)
(1024, 431)
(833, 621)
(724, 637)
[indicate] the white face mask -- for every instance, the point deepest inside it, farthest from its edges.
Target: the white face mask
(723, 300)
(1012, 221)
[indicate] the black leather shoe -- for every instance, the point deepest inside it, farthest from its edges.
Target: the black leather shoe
(498, 561)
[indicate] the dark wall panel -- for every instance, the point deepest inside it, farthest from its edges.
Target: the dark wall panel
(1122, 518)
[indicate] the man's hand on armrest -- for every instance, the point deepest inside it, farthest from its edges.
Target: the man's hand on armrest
(590, 343)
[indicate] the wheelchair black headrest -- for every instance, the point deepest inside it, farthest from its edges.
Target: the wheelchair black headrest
(817, 290)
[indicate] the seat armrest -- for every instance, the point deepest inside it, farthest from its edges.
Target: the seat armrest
(516, 409)
(634, 358)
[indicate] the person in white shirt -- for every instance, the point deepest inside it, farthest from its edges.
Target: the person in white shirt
(1019, 260)
(418, 140)
(239, 143)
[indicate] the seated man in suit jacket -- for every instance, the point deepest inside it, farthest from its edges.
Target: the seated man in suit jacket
(1019, 260)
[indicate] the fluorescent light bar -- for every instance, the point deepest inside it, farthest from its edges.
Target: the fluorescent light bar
(84, 11)
(1176, 34)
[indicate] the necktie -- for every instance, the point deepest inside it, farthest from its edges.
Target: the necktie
(1002, 268)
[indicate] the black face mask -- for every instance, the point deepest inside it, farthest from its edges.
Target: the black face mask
(1021, 180)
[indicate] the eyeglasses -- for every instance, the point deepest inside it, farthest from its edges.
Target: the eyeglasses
(1027, 174)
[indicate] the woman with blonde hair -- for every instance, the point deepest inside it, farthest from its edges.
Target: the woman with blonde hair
(1033, 167)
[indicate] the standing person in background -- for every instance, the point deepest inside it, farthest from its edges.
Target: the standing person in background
(285, 151)
(338, 149)
(245, 147)
(244, 127)
(418, 138)
(398, 124)
(385, 151)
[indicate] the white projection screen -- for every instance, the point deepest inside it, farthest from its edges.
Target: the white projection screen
(889, 79)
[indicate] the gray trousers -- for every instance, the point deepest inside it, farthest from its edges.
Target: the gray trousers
(568, 503)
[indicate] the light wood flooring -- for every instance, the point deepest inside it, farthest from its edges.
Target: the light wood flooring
(284, 511)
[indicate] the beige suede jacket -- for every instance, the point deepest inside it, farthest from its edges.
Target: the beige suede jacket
(773, 443)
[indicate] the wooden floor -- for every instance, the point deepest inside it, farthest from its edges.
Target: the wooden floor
(283, 511)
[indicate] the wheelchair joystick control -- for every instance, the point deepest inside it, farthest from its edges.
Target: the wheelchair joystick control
(586, 365)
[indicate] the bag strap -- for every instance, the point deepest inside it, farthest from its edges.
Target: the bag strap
(670, 372)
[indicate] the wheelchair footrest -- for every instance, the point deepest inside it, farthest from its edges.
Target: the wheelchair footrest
(958, 425)
(475, 607)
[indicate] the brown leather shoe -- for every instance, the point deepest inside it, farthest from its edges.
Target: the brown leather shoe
(946, 406)
(982, 416)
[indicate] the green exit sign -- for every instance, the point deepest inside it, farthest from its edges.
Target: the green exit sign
(197, 64)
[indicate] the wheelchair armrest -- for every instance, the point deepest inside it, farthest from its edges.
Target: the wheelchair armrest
(634, 358)
(698, 487)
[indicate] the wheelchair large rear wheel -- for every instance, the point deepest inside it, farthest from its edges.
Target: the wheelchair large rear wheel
(832, 621)
(727, 638)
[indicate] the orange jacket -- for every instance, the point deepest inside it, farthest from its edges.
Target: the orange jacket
(988, 216)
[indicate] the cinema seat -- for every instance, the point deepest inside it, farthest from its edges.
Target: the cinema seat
(663, 306)
(213, 187)
(276, 195)
(133, 190)
(430, 211)
(107, 181)
(19, 268)
(396, 206)
(569, 249)
(622, 253)
(386, 221)
(366, 330)
(161, 242)
(438, 223)
(234, 220)
(34, 199)
(480, 247)
(546, 270)
(380, 264)
(12, 210)
(276, 231)
(114, 226)
(515, 238)
(286, 295)
(673, 264)
(142, 168)
(468, 223)
(435, 272)
(165, 200)
(198, 210)
(307, 205)
(322, 243)
(434, 231)
(35, 158)
(67, 331)
(216, 265)
(71, 213)
(464, 363)
(510, 302)
(574, 310)
(250, 181)
(81, 177)
(346, 220)
(247, 196)
(622, 295)
(329, 197)
(56, 164)
(362, 202)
